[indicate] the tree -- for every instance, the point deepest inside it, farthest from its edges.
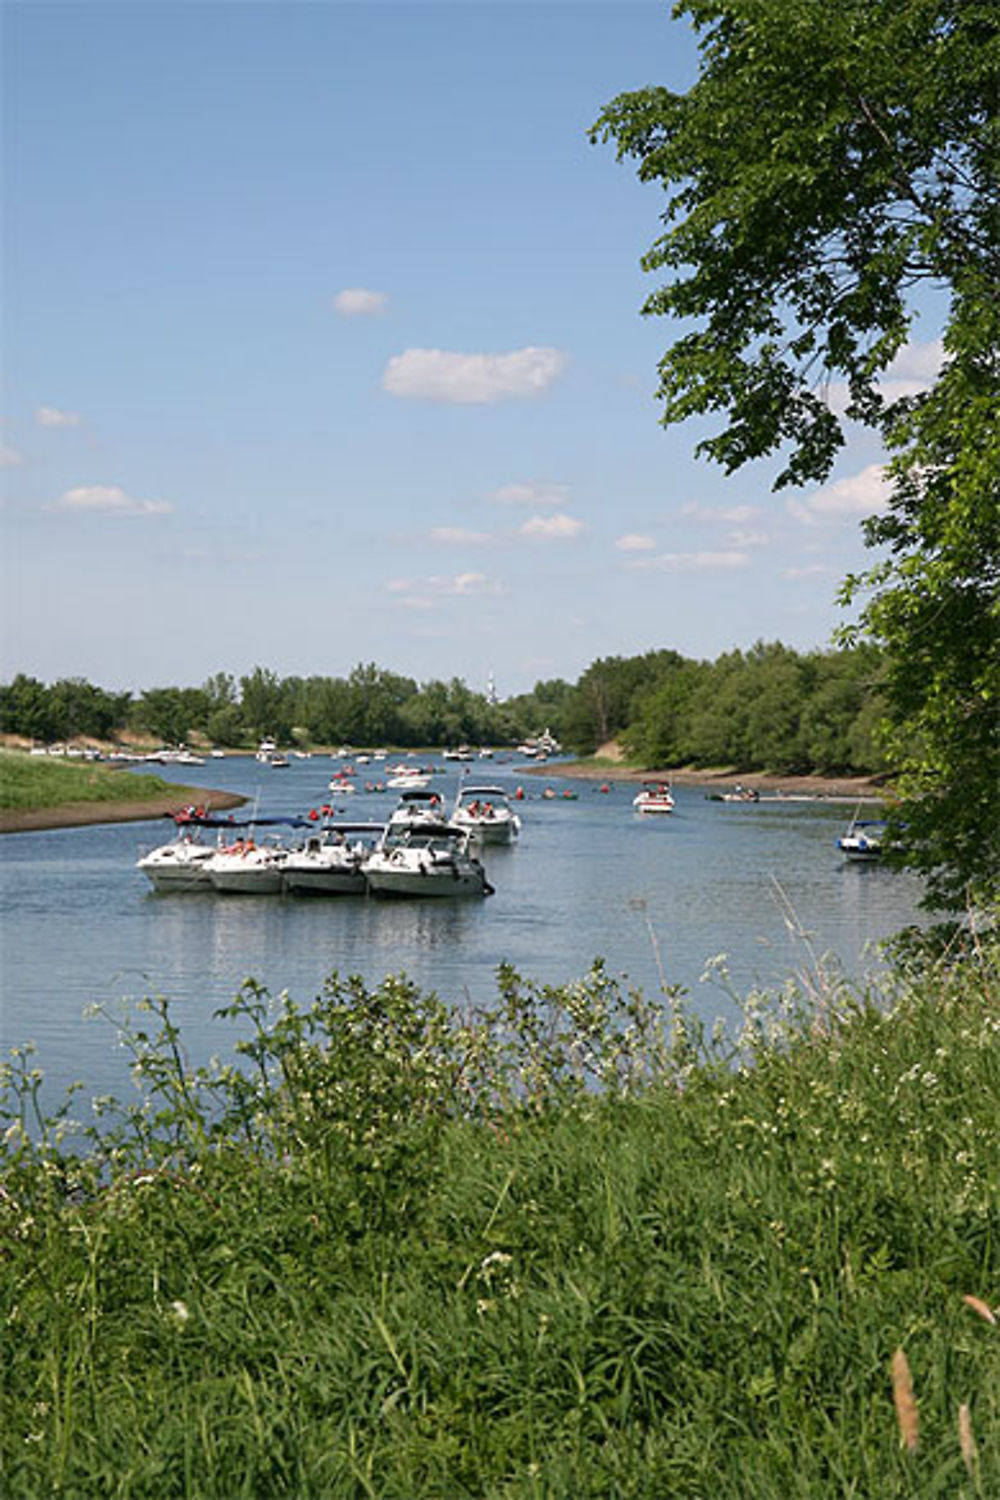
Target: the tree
(832, 157)
(265, 706)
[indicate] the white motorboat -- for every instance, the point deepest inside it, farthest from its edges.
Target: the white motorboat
(250, 867)
(414, 780)
(417, 805)
(863, 839)
(486, 813)
(426, 860)
(655, 797)
(179, 865)
(332, 862)
(340, 786)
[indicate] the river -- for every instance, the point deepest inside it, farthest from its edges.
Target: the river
(657, 898)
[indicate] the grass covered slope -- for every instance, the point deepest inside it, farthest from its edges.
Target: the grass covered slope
(29, 781)
(558, 1251)
(31, 787)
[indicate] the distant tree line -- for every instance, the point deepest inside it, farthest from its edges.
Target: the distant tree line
(767, 708)
(369, 707)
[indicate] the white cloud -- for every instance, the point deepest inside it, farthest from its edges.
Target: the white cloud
(742, 540)
(51, 416)
(732, 515)
(689, 562)
(849, 499)
(560, 528)
(537, 495)
(914, 370)
(109, 500)
(807, 570)
(460, 536)
(421, 593)
(633, 541)
(472, 379)
(10, 458)
(356, 302)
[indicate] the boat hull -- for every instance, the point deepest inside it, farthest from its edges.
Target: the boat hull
(424, 882)
(488, 831)
(177, 868)
(319, 880)
(244, 875)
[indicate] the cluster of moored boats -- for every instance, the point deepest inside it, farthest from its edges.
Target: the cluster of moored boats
(421, 851)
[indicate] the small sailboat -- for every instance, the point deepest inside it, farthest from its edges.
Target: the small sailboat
(863, 839)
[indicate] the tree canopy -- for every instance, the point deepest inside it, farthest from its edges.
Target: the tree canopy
(834, 162)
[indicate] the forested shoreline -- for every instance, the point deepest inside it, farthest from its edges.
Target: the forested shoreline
(769, 708)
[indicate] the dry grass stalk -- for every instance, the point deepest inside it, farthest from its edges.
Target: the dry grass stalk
(967, 1443)
(905, 1401)
(979, 1306)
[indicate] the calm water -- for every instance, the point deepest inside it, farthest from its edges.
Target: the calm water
(587, 878)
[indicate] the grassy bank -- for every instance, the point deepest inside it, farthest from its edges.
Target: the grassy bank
(37, 792)
(572, 1248)
(29, 781)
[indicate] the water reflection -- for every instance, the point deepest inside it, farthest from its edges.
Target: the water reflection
(588, 878)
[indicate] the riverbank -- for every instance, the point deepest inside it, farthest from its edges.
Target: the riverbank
(38, 794)
(609, 765)
(554, 1253)
(83, 814)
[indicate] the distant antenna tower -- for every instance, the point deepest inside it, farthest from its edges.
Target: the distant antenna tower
(491, 690)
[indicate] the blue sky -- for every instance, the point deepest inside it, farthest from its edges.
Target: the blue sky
(323, 345)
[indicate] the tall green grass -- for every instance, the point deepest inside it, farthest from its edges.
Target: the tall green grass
(29, 782)
(569, 1248)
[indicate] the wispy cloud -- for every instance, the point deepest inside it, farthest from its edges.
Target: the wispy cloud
(108, 500)
(536, 494)
(51, 416)
(560, 528)
(848, 499)
(455, 536)
(10, 457)
(472, 379)
(913, 371)
(730, 515)
(357, 302)
(424, 593)
(688, 562)
(744, 540)
(634, 541)
(803, 571)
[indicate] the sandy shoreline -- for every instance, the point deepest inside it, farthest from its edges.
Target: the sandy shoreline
(83, 814)
(839, 788)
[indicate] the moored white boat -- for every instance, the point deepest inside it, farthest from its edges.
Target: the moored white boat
(417, 805)
(426, 860)
(179, 865)
(414, 780)
(655, 797)
(485, 812)
(247, 868)
(332, 862)
(863, 839)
